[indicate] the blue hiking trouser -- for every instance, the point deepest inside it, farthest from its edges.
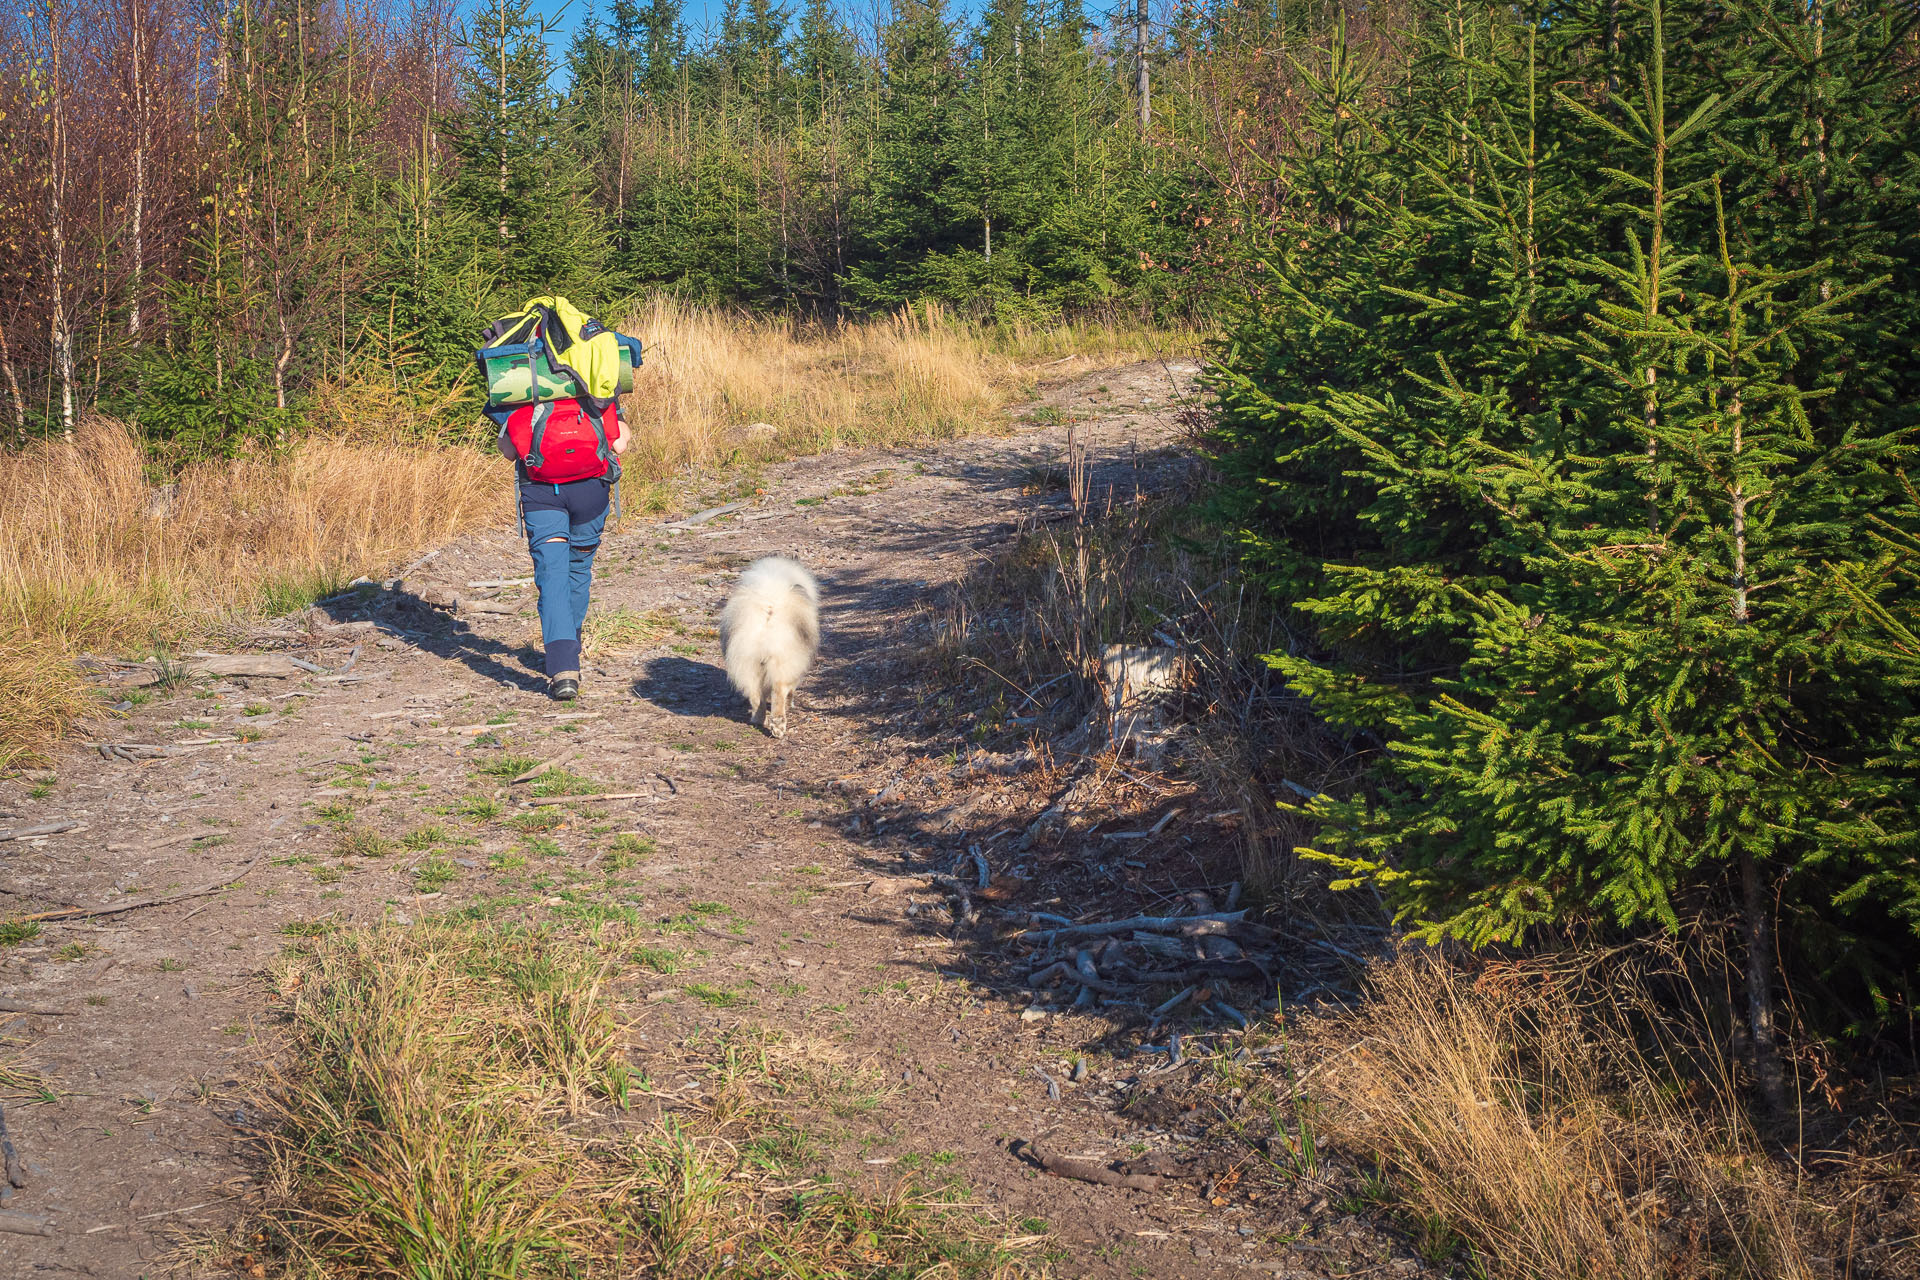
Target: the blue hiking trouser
(563, 523)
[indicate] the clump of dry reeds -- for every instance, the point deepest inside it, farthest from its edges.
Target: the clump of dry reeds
(455, 1103)
(1563, 1126)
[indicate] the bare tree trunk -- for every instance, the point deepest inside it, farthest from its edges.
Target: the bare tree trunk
(1739, 497)
(280, 364)
(1760, 1023)
(500, 96)
(13, 389)
(1140, 61)
(1650, 404)
(61, 334)
(137, 249)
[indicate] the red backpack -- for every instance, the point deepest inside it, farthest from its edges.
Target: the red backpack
(560, 442)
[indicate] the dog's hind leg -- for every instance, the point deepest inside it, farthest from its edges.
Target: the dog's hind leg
(777, 710)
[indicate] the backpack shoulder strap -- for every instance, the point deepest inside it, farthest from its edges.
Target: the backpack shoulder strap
(542, 410)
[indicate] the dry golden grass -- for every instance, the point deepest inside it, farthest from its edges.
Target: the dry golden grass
(710, 377)
(1534, 1122)
(455, 1104)
(93, 558)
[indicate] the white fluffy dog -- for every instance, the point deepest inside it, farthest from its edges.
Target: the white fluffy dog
(769, 632)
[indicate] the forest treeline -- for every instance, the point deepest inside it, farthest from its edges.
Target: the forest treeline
(220, 212)
(1576, 421)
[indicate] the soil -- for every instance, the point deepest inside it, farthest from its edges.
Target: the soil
(150, 1024)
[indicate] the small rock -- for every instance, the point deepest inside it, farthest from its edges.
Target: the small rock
(793, 962)
(1034, 1013)
(1319, 1206)
(667, 993)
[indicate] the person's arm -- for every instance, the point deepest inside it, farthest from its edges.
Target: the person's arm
(615, 429)
(504, 445)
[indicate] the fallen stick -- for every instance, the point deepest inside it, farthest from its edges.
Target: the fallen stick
(701, 517)
(275, 666)
(1093, 1171)
(1188, 925)
(390, 582)
(44, 829)
(96, 913)
(24, 1224)
(545, 766)
(1072, 973)
(490, 606)
(34, 893)
(887, 886)
(1058, 969)
(182, 838)
(14, 1006)
(501, 582)
(604, 795)
(1221, 1006)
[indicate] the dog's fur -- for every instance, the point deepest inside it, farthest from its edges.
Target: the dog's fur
(769, 632)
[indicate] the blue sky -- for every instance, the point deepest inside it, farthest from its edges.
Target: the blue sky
(703, 15)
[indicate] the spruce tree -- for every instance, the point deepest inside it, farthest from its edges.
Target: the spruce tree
(519, 179)
(1556, 468)
(912, 210)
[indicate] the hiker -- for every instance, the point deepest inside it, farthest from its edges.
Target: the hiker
(563, 522)
(553, 376)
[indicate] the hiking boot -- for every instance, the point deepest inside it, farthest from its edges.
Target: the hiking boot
(564, 687)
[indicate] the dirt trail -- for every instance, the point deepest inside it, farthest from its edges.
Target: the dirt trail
(164, 1016)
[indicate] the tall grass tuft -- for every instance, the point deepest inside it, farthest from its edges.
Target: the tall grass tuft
(452, 1106)
(1562, 1127)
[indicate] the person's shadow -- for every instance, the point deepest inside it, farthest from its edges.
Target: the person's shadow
(432, 629)
(688, 688)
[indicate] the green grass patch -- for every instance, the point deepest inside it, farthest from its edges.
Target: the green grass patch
(506, 767)
(362, 842)
(434, 874)
(563, 782)
(663, 960)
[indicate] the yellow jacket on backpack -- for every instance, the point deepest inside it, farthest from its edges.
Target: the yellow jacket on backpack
(591, 350)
